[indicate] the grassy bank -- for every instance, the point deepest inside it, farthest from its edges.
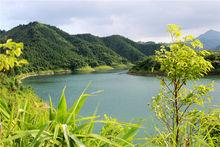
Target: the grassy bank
(102, 68)
(158, 73)
(42, 73)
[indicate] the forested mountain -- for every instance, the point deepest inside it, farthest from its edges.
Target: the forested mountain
(210, 39)
(217, 48)
(48, 47)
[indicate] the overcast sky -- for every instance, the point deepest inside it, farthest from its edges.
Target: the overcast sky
(140, 20)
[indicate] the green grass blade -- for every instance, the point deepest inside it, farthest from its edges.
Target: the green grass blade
(101, 138)
(56, 131)
(36, 141)
(92, 123)
(66, 136)
(62, 108)
(51, 113)
(77, 141)
(74, 111)
(130, 133)
(20, 134)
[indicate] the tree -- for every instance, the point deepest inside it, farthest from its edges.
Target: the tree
(10, 53)
(176, 104)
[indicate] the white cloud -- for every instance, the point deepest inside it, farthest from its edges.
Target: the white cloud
(139, 20)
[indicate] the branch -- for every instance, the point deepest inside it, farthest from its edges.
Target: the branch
(185, 111)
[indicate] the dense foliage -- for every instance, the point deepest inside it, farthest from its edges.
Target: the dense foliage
(9, 55)
(214, 58)
(49, 48)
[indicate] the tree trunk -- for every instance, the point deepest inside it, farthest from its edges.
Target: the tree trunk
(176, 129)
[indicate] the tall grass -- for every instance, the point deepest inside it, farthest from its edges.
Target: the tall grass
(26, 121)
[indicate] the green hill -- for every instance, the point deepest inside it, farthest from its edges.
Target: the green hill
(49, 48)
(123, 47)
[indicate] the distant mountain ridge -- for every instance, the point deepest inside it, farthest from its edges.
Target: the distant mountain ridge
(210, 39)
(48, 47)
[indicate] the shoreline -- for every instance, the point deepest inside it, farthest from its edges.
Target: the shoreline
(68, 71)
(64, 72)
(145, 73)
(43, 73)
(211, 74)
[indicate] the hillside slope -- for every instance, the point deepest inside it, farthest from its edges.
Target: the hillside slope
(210, 39)
(48, 47)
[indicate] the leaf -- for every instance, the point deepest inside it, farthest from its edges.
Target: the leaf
(51, 113)
(9, 40)
(23, 61)
(20, 134)
(77, 141)
(34, 142)
(18, 52)
(65, 133)
(56, 131)
(130, 133)
(188, 38)
(62, 108)
(197, 44)
(104, 139)
(77, 106)
(92, 124)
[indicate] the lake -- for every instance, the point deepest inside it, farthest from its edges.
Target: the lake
(125, 97)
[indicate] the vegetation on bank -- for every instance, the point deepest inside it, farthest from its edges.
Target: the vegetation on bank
(149, 65)
(103, 68)
(42, 73)
(27, 121)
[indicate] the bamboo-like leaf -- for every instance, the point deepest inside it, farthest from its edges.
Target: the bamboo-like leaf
(77, 106)
(3, 110)
(20, 134)
(130, 133)
(24, 113)
(51, 113)
(101, 138)
(56, 131)
(62, 108)
(66, 136)
(35, 141)
(77, 141)
(92, 123)
(74, 111)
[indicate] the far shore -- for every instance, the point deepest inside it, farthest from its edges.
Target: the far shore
(68, 71)
(43, 73)
(157, 73)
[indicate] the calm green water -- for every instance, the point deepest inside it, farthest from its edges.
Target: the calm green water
(124, 96)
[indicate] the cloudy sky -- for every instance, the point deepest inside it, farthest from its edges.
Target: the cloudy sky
(140, 20)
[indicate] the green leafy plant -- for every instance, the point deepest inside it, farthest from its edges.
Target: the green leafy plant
(176, 104)
(9, 55)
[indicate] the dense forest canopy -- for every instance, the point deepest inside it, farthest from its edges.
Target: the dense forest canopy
(47, 47)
